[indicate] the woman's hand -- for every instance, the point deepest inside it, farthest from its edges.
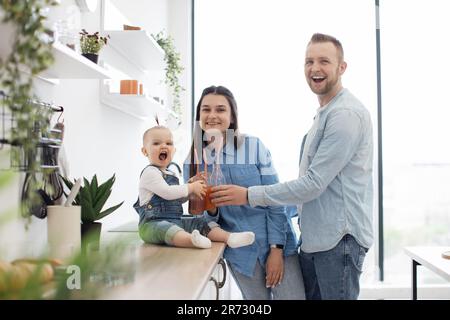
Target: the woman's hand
(228, 194)
(198, 188)
(274, 267)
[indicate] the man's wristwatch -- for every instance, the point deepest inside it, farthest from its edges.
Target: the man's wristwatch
(276, 246)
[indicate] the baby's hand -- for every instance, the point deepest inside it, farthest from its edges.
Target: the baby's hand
(200, 176)
(198, 188)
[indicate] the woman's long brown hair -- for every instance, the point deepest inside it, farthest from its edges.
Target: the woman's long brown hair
(218, 90)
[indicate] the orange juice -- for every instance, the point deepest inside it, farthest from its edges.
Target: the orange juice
(196, 205)
(208, 204)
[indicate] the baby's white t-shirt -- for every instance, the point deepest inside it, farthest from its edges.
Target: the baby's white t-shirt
(152, 182)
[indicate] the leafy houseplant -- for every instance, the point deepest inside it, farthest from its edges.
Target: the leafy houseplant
(92, 197)
(91, 44)
(173, 68)
(30, 54)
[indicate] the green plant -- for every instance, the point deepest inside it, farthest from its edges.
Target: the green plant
(111, 266)
(92, 197)
(173, 68)
(31, 53)
(92, 43)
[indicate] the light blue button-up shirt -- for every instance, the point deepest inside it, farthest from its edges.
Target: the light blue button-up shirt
(337, 190)
(251, 165)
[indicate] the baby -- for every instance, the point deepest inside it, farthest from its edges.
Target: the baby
(160, 198)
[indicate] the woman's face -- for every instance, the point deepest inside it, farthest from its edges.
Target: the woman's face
(215, 113)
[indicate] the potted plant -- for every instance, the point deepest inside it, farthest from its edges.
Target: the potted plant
(31, 51)
(173, 68)
(92, 197)
(91, 44)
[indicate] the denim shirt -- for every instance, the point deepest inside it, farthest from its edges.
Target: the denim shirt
(251, 165)
(336, 190)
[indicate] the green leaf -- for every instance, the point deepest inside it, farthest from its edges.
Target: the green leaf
(94, 185)
(103, 190)
(86, 183)
(88, 214)
(92, 197)
(101, 202)
(87, 210)
(108, 211)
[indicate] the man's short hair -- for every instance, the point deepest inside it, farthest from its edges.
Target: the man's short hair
(320, 37)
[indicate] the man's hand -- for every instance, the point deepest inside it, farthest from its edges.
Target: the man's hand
(226, 195)
(274, 268)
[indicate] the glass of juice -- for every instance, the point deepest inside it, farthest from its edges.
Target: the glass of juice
(196, 205)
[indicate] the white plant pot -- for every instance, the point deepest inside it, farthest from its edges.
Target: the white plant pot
(63, 231)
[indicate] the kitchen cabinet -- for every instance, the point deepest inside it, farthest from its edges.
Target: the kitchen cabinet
(218, 286)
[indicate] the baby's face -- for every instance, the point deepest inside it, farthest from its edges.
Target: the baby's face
(158, 147)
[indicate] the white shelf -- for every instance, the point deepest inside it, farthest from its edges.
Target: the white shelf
(138, 47)
(140, 106)
(69, 64)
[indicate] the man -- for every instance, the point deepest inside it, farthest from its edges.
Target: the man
(334, 188)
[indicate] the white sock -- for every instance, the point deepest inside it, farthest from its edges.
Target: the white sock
(240, 239)
(200, 241)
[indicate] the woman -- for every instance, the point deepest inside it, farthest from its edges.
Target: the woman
(269, 268)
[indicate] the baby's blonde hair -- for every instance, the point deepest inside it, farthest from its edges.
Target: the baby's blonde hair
(149, 131)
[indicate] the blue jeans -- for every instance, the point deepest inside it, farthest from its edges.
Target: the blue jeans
(333, 274)
(254, 288)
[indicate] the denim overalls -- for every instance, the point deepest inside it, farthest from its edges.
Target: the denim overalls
(160, 219)
(158, 208)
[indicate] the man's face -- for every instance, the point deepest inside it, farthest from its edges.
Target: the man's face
(323, 68)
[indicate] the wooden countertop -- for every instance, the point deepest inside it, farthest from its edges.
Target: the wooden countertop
(168, 273)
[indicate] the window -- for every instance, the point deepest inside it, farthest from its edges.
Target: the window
(256, 48)
(416, 156)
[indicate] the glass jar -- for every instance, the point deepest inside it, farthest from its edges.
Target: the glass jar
(196, 205)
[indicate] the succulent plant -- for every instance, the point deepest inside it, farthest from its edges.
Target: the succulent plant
(92, 197)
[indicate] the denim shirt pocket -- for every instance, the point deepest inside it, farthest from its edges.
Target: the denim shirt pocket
(315, 143)
(245, 175)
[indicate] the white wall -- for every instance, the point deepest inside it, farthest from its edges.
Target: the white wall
(99, 139)
(179, 26)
